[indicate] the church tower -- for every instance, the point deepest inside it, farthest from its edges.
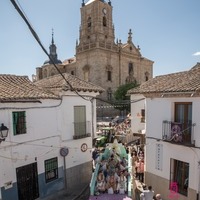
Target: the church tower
(98, 58)
(96, 23)
(96, 46)
(52, 53)
(48, 69)
(101, 60)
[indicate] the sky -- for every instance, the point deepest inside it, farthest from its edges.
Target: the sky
(168, 32)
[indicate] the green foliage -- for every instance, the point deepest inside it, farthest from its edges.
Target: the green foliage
(120, 95)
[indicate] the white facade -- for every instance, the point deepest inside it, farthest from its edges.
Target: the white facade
(137, 104)
(50, 126)
(159, 152)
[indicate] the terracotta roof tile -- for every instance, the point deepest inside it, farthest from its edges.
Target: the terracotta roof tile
(186, 81)
(20, 88)
(57, 83)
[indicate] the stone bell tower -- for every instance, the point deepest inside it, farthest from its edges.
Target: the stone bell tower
(96, 50)
(101, 60)
(96, 23)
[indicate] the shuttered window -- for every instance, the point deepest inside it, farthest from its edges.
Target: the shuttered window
(19, 122)
(79, 120)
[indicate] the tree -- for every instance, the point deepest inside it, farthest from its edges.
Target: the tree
(122, 100)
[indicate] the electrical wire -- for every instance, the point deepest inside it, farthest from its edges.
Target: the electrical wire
(22, 14)
(25, 18)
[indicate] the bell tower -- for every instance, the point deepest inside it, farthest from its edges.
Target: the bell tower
(96, 24)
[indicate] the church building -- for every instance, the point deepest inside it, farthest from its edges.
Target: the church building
(99, 57)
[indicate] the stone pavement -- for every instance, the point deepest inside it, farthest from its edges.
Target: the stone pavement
(81, 193)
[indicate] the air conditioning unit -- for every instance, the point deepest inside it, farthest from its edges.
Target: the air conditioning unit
(176, 131)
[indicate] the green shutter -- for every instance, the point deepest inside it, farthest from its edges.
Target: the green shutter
(80, 120)
(15, 119)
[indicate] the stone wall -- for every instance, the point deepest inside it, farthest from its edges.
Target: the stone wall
(79, 176)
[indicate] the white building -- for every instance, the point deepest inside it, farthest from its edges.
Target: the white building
(172, 152)
(50, 132)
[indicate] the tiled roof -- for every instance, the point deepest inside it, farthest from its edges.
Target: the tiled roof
(57, 83)
(186, 81)
(20, 88)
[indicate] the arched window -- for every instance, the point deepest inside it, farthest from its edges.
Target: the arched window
(146, 76)
(109, 73)
(86, 71)
(104, 21)
(86, 76)
(89, 21)
(72, 72)
(53, 72)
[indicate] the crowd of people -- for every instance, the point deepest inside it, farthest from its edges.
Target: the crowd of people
(137, 155)
(113, 174)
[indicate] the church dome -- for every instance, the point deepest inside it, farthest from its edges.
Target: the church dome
(56, 61)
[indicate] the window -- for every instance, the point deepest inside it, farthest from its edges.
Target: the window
(109, 75)
(183, 115)
(104, 21)
(130, 68)
(53, 72)
(146, 76)
(89, 22)
(179, 175)
(109, 72)
(19, 122)
(72, 72)
(79, 121)
(51, 169)
(143, 115)
(86, 72)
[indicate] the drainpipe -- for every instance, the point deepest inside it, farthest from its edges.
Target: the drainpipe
(92, 107)
(198, 191)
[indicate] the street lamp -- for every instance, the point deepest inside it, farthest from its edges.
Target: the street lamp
(3, 132)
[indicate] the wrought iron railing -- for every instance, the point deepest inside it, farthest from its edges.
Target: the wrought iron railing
(179, 132)
(82, 130)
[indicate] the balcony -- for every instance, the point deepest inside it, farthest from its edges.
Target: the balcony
(82, 130)
(179, 132)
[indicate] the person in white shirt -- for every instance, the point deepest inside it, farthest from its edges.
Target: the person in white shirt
(148, 194)
(142, 196)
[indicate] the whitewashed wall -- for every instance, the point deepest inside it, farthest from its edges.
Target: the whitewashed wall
(178, 152)
(159, 109)
(136, 107)
(49, 127)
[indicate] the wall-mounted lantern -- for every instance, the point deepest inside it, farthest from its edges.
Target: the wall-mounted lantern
(3, 132)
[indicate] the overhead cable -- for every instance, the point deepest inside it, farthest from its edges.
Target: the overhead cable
(22, 14)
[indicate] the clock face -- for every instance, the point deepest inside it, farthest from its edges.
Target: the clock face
(104, 11)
